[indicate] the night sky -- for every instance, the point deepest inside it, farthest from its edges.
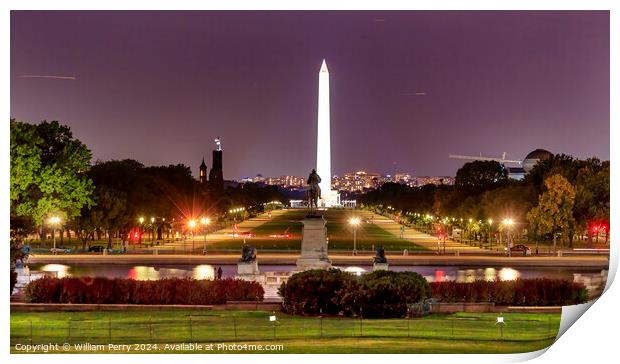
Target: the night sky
(407, 88)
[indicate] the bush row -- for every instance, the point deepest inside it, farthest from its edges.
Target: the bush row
(178, 291)
(377, 294)
(520, 292)
(392, 294)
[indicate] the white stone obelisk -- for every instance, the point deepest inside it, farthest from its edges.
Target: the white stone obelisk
(323, 143)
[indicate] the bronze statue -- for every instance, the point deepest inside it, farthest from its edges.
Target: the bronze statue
(313, 191)
(380, 256)
(248, 254)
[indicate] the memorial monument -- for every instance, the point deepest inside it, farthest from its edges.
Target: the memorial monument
(314, 233)
(247, 267)
(379, 262)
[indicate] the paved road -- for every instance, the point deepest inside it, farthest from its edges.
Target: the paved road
(597, 262)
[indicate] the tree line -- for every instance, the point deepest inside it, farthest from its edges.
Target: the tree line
(51, 175)
(562, 197)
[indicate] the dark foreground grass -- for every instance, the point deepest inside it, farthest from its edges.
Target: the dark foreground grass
(339, 232)
(457, 333)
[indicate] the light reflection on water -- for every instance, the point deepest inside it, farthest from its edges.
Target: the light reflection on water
(207, 271)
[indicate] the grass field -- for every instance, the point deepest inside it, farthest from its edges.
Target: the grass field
(339, 232)
(456, 333)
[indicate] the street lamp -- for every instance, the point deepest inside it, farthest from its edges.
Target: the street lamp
(141, 219)
(192, 224)
(490, 233)
(354, 222)
(508, 222)
(205, 221)
(54, 220)
(152, 230)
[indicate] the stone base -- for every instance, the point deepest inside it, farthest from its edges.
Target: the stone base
(313, 245)
(379, 266)
(247, 268)
(308, 264)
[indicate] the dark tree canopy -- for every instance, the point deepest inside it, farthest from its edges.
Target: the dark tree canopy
(480, 175)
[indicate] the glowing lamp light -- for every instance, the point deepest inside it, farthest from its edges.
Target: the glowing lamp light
(508, 222)
(205, 221)
(500, 320)
(54, 220)
(152, 219)
(272, 318)
(490, 221)
(141, 219)
(192, 223)
(354, 221)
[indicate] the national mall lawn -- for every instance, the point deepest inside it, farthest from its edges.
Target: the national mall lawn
(435, 333)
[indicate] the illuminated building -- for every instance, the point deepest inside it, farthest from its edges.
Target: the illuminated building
(329, 197)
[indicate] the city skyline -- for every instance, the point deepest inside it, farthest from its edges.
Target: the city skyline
(408, 88)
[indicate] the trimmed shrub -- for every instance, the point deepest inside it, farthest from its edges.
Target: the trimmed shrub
(377, 294)
(520, 292)
(179, 291)
(384, 294)
(315, 291)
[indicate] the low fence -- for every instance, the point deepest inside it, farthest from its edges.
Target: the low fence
(230, 328)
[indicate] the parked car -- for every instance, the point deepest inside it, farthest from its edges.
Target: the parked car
(520, 249)
(59, 250)
(96, 248)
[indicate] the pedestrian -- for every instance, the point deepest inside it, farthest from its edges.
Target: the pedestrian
(219, 273)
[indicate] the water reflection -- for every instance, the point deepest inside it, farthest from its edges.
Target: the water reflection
(508, 274)
(358, 271)
(204, 271)
(56, 270)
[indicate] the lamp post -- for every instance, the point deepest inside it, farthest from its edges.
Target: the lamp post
(508, 223)
(490, 231)
(192, 224)
(141, 219)
(152, 230)
(54, 220)
(354, 222)
(204, 221)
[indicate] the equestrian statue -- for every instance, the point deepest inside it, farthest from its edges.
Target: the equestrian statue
(313, 192)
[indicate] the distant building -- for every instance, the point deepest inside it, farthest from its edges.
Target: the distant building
(216, 175)
(534, 157)
(203, 172)
(436, 180)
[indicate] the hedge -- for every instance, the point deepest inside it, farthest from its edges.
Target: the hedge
(177, 291)
(330, 292)
(384, 294)
(520, 292)
(314, 291)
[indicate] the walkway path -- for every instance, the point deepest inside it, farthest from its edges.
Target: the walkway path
(223, 234)
(420, 238)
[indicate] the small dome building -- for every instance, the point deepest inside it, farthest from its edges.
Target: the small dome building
(534, 157)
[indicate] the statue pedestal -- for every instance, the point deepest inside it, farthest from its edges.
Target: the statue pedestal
(247, 268)
(379, 266)
(313, 245)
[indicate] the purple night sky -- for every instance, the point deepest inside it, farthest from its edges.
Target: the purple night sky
(160, 86)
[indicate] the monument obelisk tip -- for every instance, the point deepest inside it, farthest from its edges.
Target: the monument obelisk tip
(324, 66)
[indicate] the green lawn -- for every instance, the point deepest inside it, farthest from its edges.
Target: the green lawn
(339, 232)
(457, 333)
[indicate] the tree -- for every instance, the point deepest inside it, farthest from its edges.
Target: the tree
(592, 196)
(480, 175)
(48, 172)
(554, 212)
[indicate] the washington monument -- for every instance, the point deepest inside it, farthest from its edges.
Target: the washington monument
(323, 142)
